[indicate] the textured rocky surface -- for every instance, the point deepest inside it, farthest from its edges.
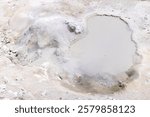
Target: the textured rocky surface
(35, 37)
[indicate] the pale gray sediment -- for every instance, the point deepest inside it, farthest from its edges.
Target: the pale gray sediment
(36, 37)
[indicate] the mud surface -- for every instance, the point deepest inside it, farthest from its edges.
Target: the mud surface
(35, 41)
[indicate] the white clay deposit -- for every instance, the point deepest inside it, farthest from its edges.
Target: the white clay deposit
(80, 49)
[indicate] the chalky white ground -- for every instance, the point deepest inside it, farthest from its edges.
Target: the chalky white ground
(36, 42)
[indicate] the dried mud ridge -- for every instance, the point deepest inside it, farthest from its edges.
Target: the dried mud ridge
(103, 84)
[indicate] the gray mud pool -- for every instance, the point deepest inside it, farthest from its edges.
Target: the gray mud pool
(107, 47)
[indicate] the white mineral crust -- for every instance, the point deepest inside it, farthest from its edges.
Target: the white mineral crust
(35, 39)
